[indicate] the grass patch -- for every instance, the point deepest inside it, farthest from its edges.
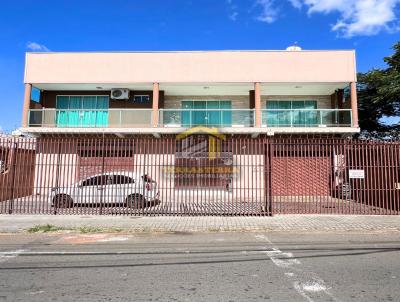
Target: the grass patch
(91, 229)
(45, 228)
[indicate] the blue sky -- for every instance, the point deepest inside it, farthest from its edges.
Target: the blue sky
(369, 26)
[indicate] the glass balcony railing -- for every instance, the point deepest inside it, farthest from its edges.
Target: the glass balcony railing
(131, 118)
(206, 117)
(88, 118)
(306, 117)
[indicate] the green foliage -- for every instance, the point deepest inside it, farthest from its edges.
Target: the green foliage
(92, 229)
(379, 96)
(44, 228)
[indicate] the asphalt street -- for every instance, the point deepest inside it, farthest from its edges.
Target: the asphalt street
(241, 266)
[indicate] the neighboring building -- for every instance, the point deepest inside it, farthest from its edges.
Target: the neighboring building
(17, 164)
(242, 93)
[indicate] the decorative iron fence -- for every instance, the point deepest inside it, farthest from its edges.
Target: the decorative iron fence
(198, 175)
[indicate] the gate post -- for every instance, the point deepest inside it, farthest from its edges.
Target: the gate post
(268, 175)
(13, 164)
(57, 173)
(102, 177)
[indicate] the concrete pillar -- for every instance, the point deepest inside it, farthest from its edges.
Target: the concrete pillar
(156, 97)
(27, 102)
(257, 104)
(354, 108)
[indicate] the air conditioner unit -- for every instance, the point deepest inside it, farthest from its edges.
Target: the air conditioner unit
(120, 93)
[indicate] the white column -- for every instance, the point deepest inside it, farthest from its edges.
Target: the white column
(156, 96)
(354, 108)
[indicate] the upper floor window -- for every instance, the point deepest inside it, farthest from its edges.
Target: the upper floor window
(35, 95)
(82, 110)
(141, 99)
(346, 93)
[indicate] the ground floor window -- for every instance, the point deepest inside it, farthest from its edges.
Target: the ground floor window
(287, 113)
(82, 111)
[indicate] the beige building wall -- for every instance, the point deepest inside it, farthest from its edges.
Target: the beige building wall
(52, 169)
(248, 182)
(192, 67)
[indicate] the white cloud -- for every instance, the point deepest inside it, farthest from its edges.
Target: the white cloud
(357, 17)
(269, 12)
(296, 3)
(36, 46)
(233, 16)
(233, 11)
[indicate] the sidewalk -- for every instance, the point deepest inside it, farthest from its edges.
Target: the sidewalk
(291, 223)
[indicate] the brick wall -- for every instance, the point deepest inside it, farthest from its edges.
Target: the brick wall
(301, 176)
(94, 165)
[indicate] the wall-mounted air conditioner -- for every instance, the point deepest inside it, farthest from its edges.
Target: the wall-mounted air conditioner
(120, 93)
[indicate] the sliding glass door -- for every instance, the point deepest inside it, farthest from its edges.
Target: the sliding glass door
(292, 113)
(82, 111)
(206, 113)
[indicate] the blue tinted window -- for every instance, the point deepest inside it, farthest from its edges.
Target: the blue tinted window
(141, 99)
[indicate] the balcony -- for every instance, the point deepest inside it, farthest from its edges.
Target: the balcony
(186, 118)
(90, 118)
(306, 117)
(206, 117)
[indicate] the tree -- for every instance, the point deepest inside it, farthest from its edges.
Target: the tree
(379, 97)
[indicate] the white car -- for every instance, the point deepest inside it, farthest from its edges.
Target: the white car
(120, 188)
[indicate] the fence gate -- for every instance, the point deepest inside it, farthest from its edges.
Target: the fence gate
(335, 176)
(198, 175)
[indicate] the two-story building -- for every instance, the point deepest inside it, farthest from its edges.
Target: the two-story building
(155, 95)
(239, 92)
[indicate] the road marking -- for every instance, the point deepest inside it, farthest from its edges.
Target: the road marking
(4, 256)
(110, 239)
(36, 293)
(91, 238)
(307, 284)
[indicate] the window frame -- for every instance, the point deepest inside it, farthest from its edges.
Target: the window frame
(81, 103)
(118, 179)
(102, 178)
(280, 117)
(141, 98)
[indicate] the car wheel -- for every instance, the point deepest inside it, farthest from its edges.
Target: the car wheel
(63, 201)
(135, 201)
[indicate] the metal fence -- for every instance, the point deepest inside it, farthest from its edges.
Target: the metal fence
(198, 175)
